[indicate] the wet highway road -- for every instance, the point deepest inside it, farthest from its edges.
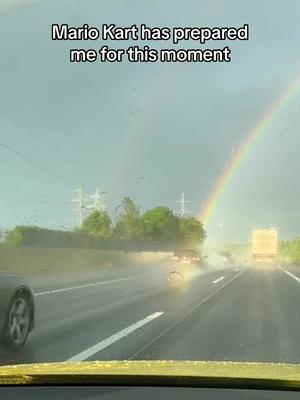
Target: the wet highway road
(234, 313)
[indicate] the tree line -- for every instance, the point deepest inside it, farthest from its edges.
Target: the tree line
(157, 224)
(289, 250)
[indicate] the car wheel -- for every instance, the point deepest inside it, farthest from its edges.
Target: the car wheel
(18, 322)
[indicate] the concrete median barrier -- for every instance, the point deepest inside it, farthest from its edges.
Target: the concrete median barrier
(33, 262)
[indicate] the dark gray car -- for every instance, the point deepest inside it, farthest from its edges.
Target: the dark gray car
(16, 310)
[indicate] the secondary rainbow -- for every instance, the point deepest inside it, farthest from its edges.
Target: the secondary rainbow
(224, 179)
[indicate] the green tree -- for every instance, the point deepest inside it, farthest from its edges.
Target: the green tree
(15, 237)
(160, 224)
(191, 231)
(21, 234)
(128, 224)
(97, 223)
(290, 250)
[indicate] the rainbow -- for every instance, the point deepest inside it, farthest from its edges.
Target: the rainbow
(224, 179)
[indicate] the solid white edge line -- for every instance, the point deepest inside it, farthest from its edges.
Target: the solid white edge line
(114, 338)
(289, 273)
(219, 279)
(100, 283)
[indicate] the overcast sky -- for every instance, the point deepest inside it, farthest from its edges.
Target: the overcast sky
(149, 131)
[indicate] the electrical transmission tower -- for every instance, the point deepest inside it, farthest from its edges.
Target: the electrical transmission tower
(79, 205)
(183, 211)
(97, 203)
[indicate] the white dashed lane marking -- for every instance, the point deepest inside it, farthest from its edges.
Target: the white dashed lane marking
(219, 279)
(114, 338)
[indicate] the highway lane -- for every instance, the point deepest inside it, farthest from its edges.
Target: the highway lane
(240, 314)
(256, 320)
(68, 321)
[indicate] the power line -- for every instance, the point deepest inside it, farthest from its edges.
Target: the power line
(33, 135)
(14, 121)
(36, 164)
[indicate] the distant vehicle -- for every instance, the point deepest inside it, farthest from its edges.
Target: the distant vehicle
(188, 256)
(16, 310)
(264, 245)
(227, 257)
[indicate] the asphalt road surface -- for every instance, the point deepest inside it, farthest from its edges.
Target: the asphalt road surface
(235, 313)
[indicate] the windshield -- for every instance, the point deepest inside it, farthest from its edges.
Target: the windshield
(133, 134)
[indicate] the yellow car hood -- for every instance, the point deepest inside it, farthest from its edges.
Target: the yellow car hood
(166, 373)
